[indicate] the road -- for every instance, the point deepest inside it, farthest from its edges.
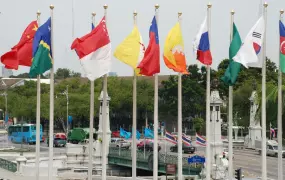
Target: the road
(250, 162)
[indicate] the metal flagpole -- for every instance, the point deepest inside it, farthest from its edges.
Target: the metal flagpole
(134, 147)
(51, 115)
(208, 131)
(155, 118)
(38, 120)
(104, 118)
(263, 118)
(230, 134)
(90, 161)
(280, 148)
(180, 171)
(67, 102)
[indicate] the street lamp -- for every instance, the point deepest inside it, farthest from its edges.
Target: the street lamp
(67, 102)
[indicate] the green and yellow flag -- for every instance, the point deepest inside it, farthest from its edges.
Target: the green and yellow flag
(42, 55)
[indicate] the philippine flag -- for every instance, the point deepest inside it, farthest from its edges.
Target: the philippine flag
(94, 51)
(201, 45)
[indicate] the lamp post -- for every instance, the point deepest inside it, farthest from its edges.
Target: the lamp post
(67, 102)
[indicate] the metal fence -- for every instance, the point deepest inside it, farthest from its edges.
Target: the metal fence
(8, 165)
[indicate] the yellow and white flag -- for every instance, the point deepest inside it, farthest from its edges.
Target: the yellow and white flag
(131, 50)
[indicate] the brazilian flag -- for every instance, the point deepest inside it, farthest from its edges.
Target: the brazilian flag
(42, 54)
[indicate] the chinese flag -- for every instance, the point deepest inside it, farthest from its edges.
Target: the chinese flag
(22, 53)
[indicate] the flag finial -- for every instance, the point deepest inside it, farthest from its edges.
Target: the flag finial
(179, 14)
(233, 12)
(265, 4)
(51, 6)
(209, 5)
(135, 13)
(105, 6)
(156, 6)
(38, 12)
(281, 11)
(93, 14)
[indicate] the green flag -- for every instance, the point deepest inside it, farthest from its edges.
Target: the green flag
(42, 55)
(233, 69)
(282, 46)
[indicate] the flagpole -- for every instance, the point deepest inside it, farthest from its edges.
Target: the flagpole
(38, 120)
(51, 115)
(208, 131)
(134, 147)
(180, 170)
(263, 118)
(280, 148)
(91, 122)
(230, 133)
(104, 117)
(155, 118)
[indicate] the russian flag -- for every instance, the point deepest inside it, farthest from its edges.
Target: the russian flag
(150, 63)
(200, 140)
(202, 44)
(186, 140)
(169, 137)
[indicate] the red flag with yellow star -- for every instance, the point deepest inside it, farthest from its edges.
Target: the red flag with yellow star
(22, 53)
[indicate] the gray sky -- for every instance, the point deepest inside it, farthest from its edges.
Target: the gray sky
(14, 19)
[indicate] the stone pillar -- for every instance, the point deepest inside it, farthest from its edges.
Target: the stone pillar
(215, 138)
(20, 162)
(254, 127)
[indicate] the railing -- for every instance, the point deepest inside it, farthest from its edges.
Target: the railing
(8, 165)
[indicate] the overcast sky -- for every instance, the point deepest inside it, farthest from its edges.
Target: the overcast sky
(17, 14)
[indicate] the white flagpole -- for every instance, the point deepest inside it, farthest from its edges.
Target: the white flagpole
(208, 131)
(51, 115)
(134, 141)
(263, 117)
(90, 154)
(180, 165)
(104, 118)
(38, 121)
(155, 118)
(230, 134)
(280, 148)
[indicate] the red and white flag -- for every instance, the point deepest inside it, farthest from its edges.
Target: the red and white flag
(94, 51)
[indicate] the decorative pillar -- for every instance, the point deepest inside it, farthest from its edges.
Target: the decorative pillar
(254, 127)
(215, 138)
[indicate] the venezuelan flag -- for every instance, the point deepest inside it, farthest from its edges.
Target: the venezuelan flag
(42, 54)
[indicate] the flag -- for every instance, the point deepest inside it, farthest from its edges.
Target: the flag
(174, 56)
(186, 140)
(247, 54)
(138, 135)
(169, 137)
(233, 69)
(125, 134)
(94, 51)
(148, 133)
(200, 140)
(201, 44)
(131, 50)
(150, 63)
(42, 52)
(282, 46)
(22, 53)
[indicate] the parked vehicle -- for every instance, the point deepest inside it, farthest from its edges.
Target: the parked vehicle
(25, 133)
(271, 148)
(59, 140)
(119, 142)
(116, 134)
(77, 135)
(147, 145)
(185, 149)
